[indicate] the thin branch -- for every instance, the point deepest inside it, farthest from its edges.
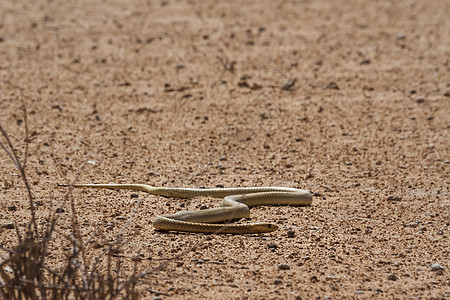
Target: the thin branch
(13, 155)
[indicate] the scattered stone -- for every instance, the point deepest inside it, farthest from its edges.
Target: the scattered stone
(394, 198)
(8, 225)
(243, 81)
(401, 36)
(60, 210)
(437, 267)
(314, 279)
(284, 267)
(256, 87)
(440, 232)
(12, 208)
(420, 100)
(359, 292)
(204, 206)
(277, 281)
(272, 246)
(291, 234)
(134, 195)
(447, 93)
(392, 277)
(221, 186)
(378, 290)
(332, 86)
(288, 84)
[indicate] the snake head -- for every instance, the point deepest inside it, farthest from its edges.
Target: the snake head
(263, 227)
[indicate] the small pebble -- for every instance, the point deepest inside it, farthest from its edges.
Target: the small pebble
(359, 292)
(204, 206)
(277, 281)
(394, 198)
(59, 210)
(288, 84)
(273, 246)
(436, 267)
(12, 208)
(332, 86)
(134, 195)
(8, 226)
(291, 234)
(401, 36)
(284, 267)
(392, 277)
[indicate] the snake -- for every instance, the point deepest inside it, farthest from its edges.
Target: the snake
(236, 204)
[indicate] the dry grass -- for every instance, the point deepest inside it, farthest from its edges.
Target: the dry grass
(26, 274)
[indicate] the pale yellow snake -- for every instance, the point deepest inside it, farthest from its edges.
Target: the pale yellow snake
(235, 204)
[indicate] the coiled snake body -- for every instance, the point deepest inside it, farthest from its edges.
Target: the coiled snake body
(235, 204)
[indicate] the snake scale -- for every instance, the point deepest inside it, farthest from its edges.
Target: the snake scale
(235, 204)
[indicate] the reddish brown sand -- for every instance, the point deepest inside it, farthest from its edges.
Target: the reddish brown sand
(348, 99)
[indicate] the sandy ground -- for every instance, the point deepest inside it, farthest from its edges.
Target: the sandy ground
(348, 99)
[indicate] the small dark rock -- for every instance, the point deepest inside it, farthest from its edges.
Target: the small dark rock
(204, 206)
(420, 100)
(277, 281)
(134, 195)
(8, 226)
(332, 86)
(219, 186)
(394, 198)
(243, 81)
(273, 246)
(59, 210)
(392, 277)
(291, 234)
(12, 208)
(314, 279)
(288, 84)
(284, 267)
(447, 93)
